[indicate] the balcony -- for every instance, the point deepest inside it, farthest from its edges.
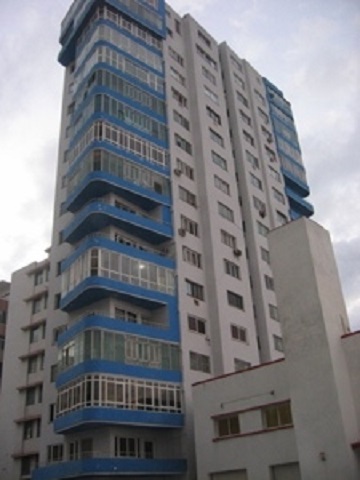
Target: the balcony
(93, 289)
(98, 184)
(147, 327)
(111, 467)
(294, 183)
(98, 215)
(298, 206)
(95, 417)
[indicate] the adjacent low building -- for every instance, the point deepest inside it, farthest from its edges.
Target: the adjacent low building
(298, 417)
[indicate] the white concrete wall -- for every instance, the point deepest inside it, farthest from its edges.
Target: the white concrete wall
(313, 315)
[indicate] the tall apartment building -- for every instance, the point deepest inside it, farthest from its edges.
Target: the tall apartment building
(175, 160)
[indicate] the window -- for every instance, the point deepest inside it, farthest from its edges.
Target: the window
(208, 75)
(252, 159)
(37, 333)
(28, 463)
(204, 38)
(51, 412)
(274, 174)
(278, 343)
(39, 304)
(199, 362)
(205, 56)
(216, 138)
(187, 197)
(248, 138)
(32, 364)
(32, 429)
(183, 144)
(259, 205)
(177, 76)
(240, 365)
(196, 324)
(177, 26)
(278, 415)
(189, 226)
(245, 118)
(270, 154)
(185, 168)
(57, 300)
(278, 196)
(239, 333)
(225, 212)
(263, 116)
(221, 185)
(281, 219)
(232, 269)
(179, 98)
(242, 99)
(219, 161)
(236, 63)
(215, 117)
(192, 257)
(194, 290)
(176, 56)
(255, 181)
(262, 229)
(181, 120)
(265, 255)
(212, 95)
(235, 300)
(273, 312)
(269, 282)
(239, 81)
(41, 276)
(119, 392)
(228, 239)
(55, 453)
(259, 97)
(228, 425)
(33, 395)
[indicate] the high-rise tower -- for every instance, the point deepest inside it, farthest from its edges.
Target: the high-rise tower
(169, 177)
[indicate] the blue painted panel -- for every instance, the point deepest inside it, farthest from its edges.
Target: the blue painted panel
(99, 183)
(93, 289)
(169, 333)
(97, 215)
(96, 416)
(295, 183)
(110, 467)
(116, 368)
(298, 204)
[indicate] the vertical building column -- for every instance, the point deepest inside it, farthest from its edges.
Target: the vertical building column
(313, 318)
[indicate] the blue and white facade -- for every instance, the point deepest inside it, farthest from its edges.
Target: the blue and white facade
(288, 147)
(159, 273)
(119, 381)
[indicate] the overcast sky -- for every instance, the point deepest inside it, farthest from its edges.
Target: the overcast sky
(308, 48)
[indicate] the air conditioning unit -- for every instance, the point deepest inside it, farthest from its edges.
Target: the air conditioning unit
(262, 212)
(196, 301)
(182, 232)
(177, 172)
(237, 252)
